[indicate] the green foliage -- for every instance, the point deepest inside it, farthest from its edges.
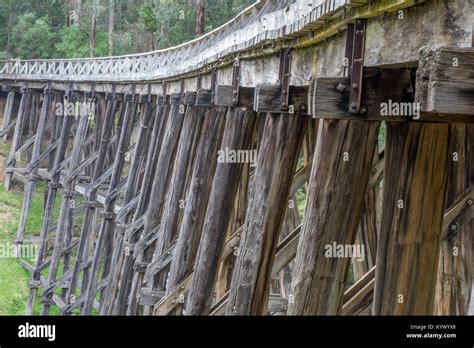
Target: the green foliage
(75, 43)
(41, 29)
(32, 38)
(148, 18)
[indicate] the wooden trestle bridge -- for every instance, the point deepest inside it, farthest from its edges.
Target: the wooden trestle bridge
(141, 216)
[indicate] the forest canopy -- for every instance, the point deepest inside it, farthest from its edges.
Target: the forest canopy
(31, 29)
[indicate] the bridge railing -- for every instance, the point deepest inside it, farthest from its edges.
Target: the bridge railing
(264, 21)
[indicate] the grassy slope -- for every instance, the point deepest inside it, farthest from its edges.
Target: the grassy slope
(13, 277)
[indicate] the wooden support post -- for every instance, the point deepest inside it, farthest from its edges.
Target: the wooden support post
(7, 113)
(88, 227)
(237, 137)
(32, 122)
(131, 237)
(198, 195)
(164, 169)
(276, 165)
(130, 191)
(48, 212)
(108, 217)
(454, 286)
(340, 174)
(175, 196)
(33, 168)
(62, 225)
(414, 190)
(23, 112)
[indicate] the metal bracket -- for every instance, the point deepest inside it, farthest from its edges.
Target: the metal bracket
(355, 49)
(181, 91)
(90, 94)
(236, 82)
(198, 82)
(108, 215)
(47, 89)
(146, 98)
(213, 84)
(284, 76)
(110, 95)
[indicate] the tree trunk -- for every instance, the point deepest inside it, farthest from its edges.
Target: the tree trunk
(111, 26)
(92, 36)
(200, 19)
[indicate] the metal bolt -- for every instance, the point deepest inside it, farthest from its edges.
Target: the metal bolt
(454, 227)
(341, 87)
(469, 202)
(355, 86)
(363, 110)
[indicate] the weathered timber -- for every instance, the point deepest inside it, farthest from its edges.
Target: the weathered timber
(33, 169)
(131, 233)
(106, 227)
(176, 194)
(23, 112)
(7, 113)
(130, 192)
(48, 208)
(445, 83)
(204, 97)
(237, 137)
(269, 99)
(359, 296)
(67, 198)
(275, 169)
(198, 195)
(407, 252)
(163, 173)
(339, 178)
(225, 96)
(87, 230)
(454, 284)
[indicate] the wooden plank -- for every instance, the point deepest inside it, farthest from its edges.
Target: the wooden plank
(383, 89)
(225, 96)
(269, 99)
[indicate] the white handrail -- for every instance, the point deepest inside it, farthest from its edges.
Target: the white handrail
(263, 21)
